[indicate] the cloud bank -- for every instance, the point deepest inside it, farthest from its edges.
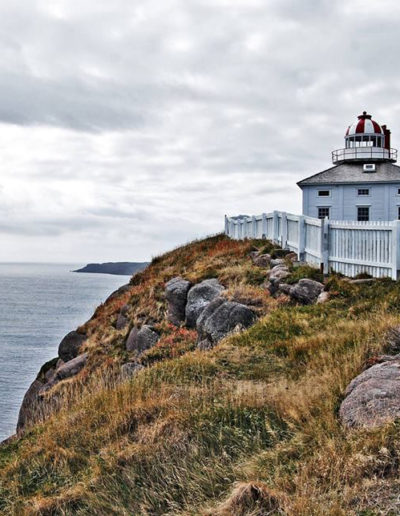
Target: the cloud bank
(129, 127)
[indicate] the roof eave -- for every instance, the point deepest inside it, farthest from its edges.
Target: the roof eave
(311, 183)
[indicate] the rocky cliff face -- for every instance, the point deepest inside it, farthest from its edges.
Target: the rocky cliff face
(204, 306)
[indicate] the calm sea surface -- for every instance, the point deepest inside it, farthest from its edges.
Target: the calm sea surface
(39, 304)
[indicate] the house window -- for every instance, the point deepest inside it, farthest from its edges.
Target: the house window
(363, 213)
(363, 191)
(398, 212)
(324, 193)
(398, 191)
(323, 212)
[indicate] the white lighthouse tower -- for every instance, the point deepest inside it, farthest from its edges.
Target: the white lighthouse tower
(363, 184)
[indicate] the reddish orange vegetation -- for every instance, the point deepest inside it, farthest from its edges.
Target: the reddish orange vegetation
(173, 343)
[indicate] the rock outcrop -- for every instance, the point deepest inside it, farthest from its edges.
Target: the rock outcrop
(122, 319)
(278, 261)
(220, 318)
(29, 405)
(71, 345)
(263, 260)
(306, 291)
(70, 368)
(323, 297)
(141, 339)
(199, 296)
(373, 397)
(275, 277)
(176, 292)
(129, 369)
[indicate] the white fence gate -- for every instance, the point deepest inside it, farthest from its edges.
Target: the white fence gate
(348, 247)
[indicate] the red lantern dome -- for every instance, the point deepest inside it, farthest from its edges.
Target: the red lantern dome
(364, 125)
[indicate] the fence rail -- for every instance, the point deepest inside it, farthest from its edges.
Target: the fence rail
(348, 247)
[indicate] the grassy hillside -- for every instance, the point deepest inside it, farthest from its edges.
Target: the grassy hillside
(247, 428)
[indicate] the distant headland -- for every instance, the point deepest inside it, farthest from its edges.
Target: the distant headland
(120, 268)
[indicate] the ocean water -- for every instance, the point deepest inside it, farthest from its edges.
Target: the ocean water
(39, 304)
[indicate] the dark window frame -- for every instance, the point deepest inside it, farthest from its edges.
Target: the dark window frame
(363, 191)
(324, 193)
(323, 211)
(363, 213)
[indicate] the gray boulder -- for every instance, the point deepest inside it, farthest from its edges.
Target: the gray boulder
(373, 397)
(130, 369)
(199, 296)
(70, 346)
(284, 288)
(122, 321)
(278, 261)
(323, 297)
(124, 310)
(221, 317)
(140, 340)
(70, 368)
(392, 340)
(278, 273)
(263, 260)
(306, 291)
(176, 292)
(275, 277)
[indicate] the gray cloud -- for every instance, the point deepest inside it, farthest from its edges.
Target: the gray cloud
(127, 128)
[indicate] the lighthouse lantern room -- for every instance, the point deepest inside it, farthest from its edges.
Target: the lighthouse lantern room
(363, 184)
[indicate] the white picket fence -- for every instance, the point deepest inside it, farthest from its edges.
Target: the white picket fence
(348, 247)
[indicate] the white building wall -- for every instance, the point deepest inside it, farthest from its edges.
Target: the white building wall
(383, 201)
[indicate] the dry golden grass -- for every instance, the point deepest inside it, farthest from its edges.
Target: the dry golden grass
(248, 428)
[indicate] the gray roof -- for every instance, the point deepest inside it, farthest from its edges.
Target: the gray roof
(386, 172)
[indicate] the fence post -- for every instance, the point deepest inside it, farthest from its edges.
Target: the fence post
(284, 230)
(395, 249)
(325, 245)
(302, 239)
(264, 226)
(275, 235)
(253, 227)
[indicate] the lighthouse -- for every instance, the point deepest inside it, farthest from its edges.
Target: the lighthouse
(364, 182)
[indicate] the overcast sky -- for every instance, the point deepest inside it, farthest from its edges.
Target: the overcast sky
(129, 127)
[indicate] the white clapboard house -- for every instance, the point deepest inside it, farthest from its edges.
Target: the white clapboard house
(363, 184)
